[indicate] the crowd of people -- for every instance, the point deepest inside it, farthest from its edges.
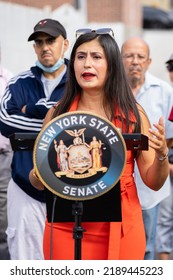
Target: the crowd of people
(115, 84)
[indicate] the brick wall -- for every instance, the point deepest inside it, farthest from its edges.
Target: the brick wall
(104, 11)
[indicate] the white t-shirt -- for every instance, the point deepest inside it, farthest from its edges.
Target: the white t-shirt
(50, 84)
(156, 97)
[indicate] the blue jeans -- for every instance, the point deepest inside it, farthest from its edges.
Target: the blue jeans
(150, 224)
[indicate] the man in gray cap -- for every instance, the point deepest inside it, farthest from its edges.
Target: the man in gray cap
(24, 105)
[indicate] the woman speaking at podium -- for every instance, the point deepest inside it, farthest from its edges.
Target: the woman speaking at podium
(97, 83)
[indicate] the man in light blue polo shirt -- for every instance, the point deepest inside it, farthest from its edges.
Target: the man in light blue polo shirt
(156, 97)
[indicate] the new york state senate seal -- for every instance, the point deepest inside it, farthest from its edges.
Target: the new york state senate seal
(79, 155)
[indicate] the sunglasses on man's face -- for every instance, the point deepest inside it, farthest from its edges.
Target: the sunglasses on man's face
(101, 31)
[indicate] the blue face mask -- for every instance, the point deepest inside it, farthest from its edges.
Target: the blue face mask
(52, 69)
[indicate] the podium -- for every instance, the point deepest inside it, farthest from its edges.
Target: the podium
(78, 211)
(24, 141)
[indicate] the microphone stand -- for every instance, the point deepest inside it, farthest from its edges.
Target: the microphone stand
(77, 211)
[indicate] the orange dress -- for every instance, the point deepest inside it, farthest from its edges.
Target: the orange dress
(104, 240)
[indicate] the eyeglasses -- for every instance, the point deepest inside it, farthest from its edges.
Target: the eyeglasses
(170, 67)
(140, 57)
(101, 31)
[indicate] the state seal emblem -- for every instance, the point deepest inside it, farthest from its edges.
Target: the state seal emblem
(79, 155)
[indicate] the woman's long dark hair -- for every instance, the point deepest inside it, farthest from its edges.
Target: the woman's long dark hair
(117, 90)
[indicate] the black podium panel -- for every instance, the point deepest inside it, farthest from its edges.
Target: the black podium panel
(105, 208)
(25, 141)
